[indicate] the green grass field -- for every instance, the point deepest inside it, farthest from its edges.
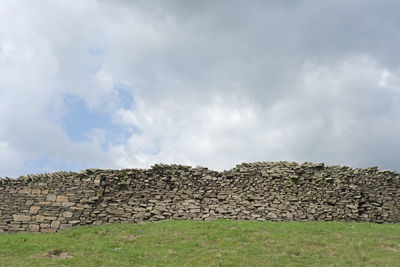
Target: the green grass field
(208, 243)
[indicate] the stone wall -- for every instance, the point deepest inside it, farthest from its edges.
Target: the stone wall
(274, 191)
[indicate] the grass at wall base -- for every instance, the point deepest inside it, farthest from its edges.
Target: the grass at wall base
(208, 243)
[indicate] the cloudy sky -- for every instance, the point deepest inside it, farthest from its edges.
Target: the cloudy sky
(126, 84)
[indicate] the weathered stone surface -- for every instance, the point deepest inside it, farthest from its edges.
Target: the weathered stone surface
(48, 230)
(40, 218)
(67, 214)
(62, 199)
(116, 211)
(44, 226)
(34, 228)
(55, 224)
(51, 197)
(35, 191)
(34, 210)
(275, 191)
(65, 226)
(15, 225)
(21, 218)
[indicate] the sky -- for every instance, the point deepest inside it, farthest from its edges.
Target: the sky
(127, 84)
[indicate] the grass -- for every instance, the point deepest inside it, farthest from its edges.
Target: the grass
(208, 243)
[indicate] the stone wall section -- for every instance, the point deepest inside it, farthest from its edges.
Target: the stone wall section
(273, 191)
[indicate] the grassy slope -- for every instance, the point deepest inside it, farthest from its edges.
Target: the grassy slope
(210, 243)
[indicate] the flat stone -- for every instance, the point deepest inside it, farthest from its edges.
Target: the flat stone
(35, 191)
(65, 226)
(21, 218)
(62, 199)
(51, 198)
(159, 217)
(68, 204)
(55, 224)
(34, 228)
(48, 230)
(34, 210)
(44, 225)
(222, 196)
(67, 214)
(116, 211)
(20, 229)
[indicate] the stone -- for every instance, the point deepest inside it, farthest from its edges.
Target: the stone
(62, 199)
(97, 181)
(222, 196)
(40, 218)
(289, 216)
(35, 191)
(48, 230)
(68, 204)
(116, 211)
(21, 229)
(275, 191)
(21, 218)
(34, 228)
(65, 226)
(44, 225)
(55, 224)
(51, 198)
(67, 214)
(34, 210)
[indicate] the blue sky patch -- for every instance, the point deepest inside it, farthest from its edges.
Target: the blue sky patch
(36, 166)
(124, 96)
(79, 122)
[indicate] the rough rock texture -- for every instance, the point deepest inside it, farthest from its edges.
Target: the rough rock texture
(275, 191)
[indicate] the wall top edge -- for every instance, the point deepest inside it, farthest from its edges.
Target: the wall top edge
(238, 168)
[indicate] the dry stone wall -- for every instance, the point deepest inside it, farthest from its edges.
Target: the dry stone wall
(273, 191)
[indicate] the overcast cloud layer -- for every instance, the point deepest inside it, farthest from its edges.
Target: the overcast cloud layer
(126, 84)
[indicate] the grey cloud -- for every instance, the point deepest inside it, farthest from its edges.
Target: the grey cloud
(259, 46)
(217, 82)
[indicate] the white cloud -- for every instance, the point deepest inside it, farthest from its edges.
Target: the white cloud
(212, 85)
(10, 159)
(334, 113)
